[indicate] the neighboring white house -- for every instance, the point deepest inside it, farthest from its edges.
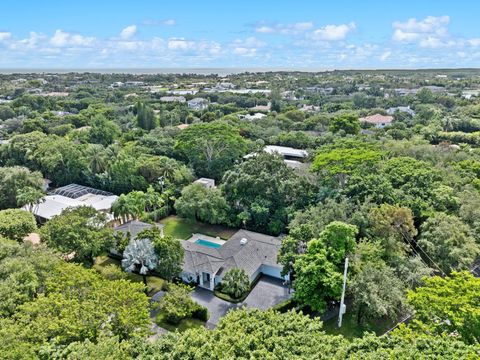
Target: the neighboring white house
(290, 155)
(405, 109)
(256, 116)
(380, 121)
(206, 259)
(198, 104)
(71, 196)
(205, 182)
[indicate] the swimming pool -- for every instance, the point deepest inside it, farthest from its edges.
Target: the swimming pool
(208, 244)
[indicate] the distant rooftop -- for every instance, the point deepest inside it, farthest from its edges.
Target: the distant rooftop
(75, 191)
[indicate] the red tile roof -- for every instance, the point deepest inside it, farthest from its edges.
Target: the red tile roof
(377, 119)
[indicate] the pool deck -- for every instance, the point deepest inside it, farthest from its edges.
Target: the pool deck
(216, 240)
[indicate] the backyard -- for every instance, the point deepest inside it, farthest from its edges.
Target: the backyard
(155, 283)
(184, 324)
(350, 328)
(181, 228)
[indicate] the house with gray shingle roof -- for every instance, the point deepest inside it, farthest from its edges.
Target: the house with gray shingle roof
(133, 227)
(206, 261)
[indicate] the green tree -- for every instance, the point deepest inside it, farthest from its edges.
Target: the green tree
(211, 148)
(103, 131)
(80, 231)
(30, 197)
(317, 279)
(448, 242)
(338, 239)
(377, 292)
(448, 305)
(341, 162)
(146, 118)
(263, 190)
(235, 283)
(394, 227)
(347, 123)
(203, 204)
(14, 180)
(177, 303)
(15, 224)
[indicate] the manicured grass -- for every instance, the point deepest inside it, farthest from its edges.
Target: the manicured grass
(350, 329)
(185, 324)
(181, 228)
(155, 283)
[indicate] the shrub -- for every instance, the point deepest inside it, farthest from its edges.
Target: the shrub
(177, 303)
(201, 313)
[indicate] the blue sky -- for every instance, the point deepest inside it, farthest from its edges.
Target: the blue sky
(264, 34)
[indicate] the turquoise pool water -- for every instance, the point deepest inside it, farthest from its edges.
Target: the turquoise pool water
(208, 244)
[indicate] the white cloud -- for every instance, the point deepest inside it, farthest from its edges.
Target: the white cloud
(180, 44)
(333, 32)
(429, 32)
(4, 36)
(474, 42)
(265, 30)
(64, 39)
(128, 32)
(285, 29)
(164, 22)
(246, 47)
(169, 22)
(243, 51)
(385, 55)
(430, 24)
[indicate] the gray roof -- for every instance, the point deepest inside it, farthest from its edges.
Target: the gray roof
(134, 227)
(260, 249)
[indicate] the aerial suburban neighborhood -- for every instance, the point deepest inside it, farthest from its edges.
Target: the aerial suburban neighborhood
(239, 180)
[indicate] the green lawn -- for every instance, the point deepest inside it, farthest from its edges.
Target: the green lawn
(181, 228)
(185, 324)
(155, 283)
(350, 329)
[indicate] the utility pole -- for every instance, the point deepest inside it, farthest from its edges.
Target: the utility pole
(343, 307)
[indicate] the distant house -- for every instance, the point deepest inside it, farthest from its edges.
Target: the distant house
(198, 104)
(262, 108)
(180, 99)
(309, 108)
(256, 116)
(133, 227)
(183, 126)
(380, 121)
(290, 155)
(206, 259)
(405, 109)
(72, 196)
(205, 182)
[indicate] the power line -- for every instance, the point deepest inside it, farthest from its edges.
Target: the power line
(423, 251)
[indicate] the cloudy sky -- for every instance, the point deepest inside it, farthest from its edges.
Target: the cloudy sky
(239, 33)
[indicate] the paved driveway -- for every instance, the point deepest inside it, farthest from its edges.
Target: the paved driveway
(267, 293)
